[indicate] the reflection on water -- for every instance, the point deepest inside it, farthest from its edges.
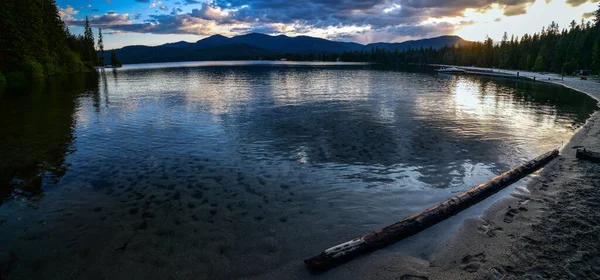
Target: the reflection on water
(37, 130)
(238, 170)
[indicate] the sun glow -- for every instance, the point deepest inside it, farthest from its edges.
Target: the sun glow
(494, 23)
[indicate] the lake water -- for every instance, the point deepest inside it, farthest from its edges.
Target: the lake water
(220, 170)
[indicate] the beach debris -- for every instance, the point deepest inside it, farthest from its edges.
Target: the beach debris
(413, 224)
(587, 155)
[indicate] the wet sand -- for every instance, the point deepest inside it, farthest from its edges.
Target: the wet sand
(548, 231)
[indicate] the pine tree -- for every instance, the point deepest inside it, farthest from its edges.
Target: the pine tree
(114, 61)
(539, 63)
(504, 52)
(596, 57)
(89, 44)
(100, 47)
(597, 19)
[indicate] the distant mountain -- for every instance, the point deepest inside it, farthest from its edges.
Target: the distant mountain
(436, 43)
(255, 45)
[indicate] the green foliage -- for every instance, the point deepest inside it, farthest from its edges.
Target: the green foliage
(569, 68)
(114, 61)
(16, 78)
(596, 56)
(34, 42)
(539, 63)
(33, 68)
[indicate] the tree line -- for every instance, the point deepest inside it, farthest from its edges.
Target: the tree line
(552, 50)
(35, 42)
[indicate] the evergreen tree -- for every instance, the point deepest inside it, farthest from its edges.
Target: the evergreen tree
(597, 19)
(34, 42)
(596, 57)
(89, 44)
(100, 48)
(114, 61)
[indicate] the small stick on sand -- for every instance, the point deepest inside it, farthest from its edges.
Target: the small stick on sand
(422, 220)
(587, 155)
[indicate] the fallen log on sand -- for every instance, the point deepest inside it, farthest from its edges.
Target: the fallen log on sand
(587, 155)
(422, 220)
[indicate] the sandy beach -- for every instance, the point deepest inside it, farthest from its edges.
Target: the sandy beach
(548, 231)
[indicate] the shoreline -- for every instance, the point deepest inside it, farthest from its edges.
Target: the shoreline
(516, 236)
(534, 232)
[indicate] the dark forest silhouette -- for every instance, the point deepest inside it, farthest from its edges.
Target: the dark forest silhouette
(35, 42)
(552, 49)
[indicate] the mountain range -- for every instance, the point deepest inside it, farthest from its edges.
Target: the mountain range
(255, 45)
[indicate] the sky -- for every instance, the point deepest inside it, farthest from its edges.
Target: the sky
(155, 22)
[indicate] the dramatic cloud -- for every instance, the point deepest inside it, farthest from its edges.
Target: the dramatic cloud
(107, 20)
(401, 32)
(359, 20)
(157, 24)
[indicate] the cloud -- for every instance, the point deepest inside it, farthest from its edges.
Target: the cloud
(107, 20)
(336, 13)
(588, 15)
(361, 19)
(156, 24)
(273, 29)
(576, 3)
(67, 13)
(176, 10)
(515, 10)
(398, 33)
(214, 13)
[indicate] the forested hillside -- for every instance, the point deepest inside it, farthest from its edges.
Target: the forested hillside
(261, 46)
(552, 49)
(34, 42)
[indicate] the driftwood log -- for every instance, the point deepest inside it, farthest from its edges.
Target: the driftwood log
(588, 155)
(422, 220)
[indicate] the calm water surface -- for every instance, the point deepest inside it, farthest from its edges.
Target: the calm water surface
(196, 171)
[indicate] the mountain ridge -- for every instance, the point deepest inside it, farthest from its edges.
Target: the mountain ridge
(253, 45)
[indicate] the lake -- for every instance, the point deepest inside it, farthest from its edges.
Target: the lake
(221, 170)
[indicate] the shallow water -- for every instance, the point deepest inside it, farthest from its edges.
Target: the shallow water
(237, 170)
